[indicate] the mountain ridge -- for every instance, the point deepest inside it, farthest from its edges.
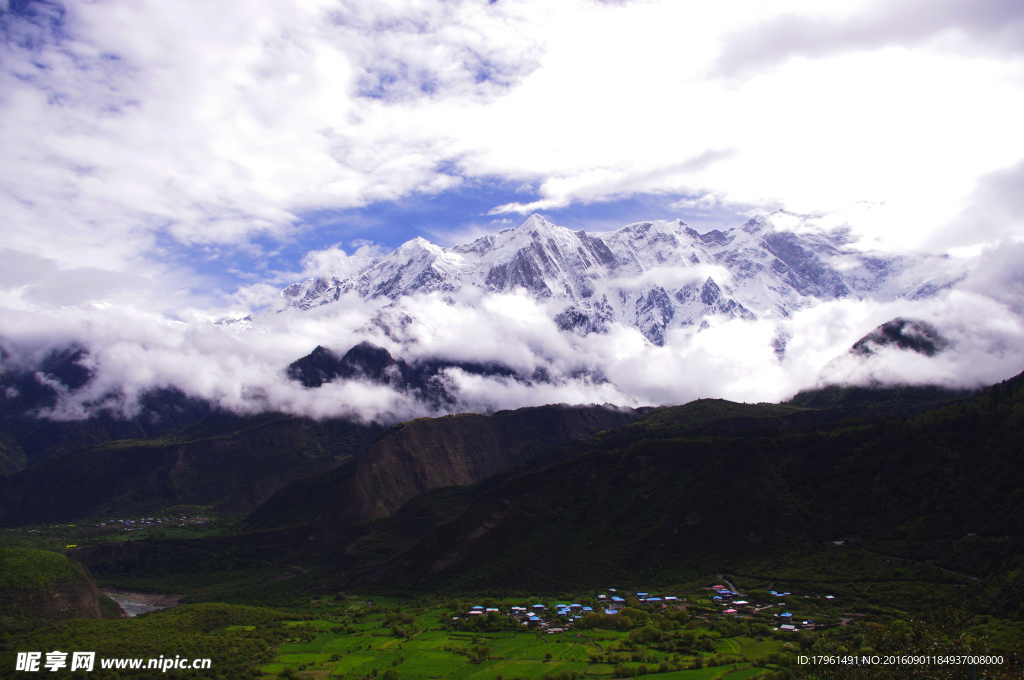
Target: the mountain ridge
(938, 486)
(654, 276)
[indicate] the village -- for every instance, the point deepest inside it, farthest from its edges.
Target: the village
(150, 522)
(713, 602)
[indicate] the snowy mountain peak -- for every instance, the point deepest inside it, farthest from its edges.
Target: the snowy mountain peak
(535, 221)
(756, 224)
(653, 276)
(417, 247)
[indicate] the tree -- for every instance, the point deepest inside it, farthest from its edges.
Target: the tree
(638, 616)
(645, 635)
(946, 636)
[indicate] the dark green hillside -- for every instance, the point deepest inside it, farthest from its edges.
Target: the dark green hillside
(316, 519)
(225, 462)
(575, 497)
(26, 439)
(38, 586)
(424, 474)
(421, 455)
(12, 458)
(887, 401)
(669, 496)
(809, 409)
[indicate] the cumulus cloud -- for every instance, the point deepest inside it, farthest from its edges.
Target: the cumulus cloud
(41, 281)
(1000, 275)
(984, 347)
(605, 184)
(667, 277)
(409, 51)
(987, 24)
(18, 268)
(126, 122)
(334, 261)
(995, 212)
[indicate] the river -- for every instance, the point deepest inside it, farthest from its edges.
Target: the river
(134, 603)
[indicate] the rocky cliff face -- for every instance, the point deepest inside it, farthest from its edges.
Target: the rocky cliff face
(653, 276)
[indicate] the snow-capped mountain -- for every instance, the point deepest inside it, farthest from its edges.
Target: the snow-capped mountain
(654, 276)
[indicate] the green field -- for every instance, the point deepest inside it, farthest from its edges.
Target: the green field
(365, 637)
(355, 642)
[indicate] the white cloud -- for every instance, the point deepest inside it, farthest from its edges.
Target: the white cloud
(215, 123)
(985, 347)
(732, 358)
(334, 261)
(1000, 275)
(467, 233)
(607, 184)
(985, 25)
(666, 277)
(141, 126)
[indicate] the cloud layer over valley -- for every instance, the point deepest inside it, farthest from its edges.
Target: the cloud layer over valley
(240, 364)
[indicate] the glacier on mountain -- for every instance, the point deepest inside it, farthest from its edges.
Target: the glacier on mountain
(654, 276)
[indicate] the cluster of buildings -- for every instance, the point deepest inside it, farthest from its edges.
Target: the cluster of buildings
(787, 622)
(144, 522)
(561, 616)
(538, 616)
(613, 602)
(784, 620)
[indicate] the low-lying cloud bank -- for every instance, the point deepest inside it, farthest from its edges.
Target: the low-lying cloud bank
(242, 367)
